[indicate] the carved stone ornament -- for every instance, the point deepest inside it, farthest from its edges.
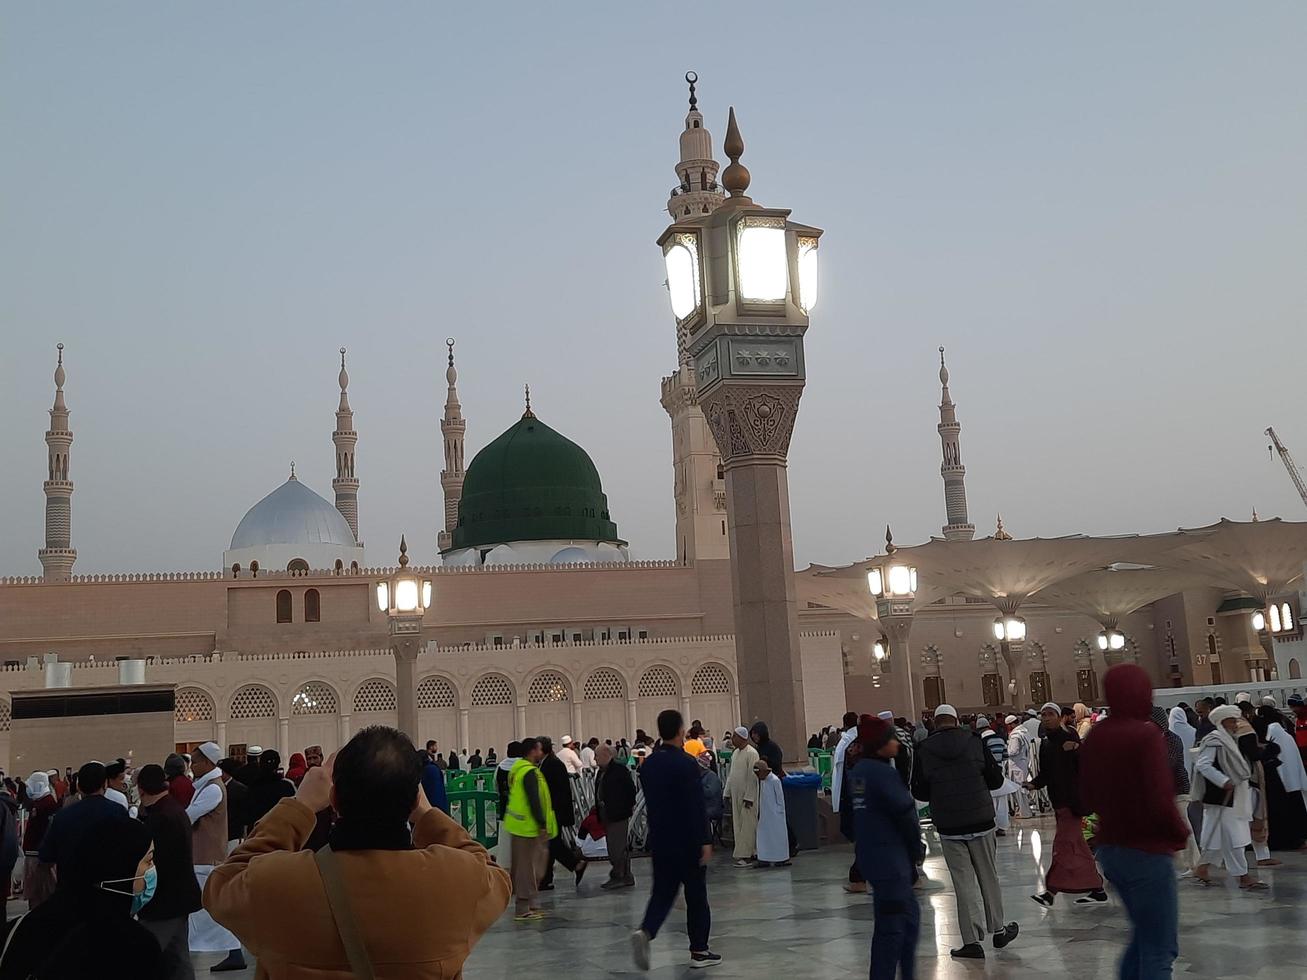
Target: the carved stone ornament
(752, 421)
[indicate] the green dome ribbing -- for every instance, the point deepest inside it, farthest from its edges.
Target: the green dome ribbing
(532, 484)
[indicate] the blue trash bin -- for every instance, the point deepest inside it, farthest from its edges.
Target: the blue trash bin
(801, 790)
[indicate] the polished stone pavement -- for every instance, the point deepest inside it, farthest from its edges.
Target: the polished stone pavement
(798, 922)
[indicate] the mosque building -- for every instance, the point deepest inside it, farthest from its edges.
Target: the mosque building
(542, 621)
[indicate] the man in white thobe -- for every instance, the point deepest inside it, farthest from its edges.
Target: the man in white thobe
(568, 757)
(742, 791)
(773, 841)
(208, 815)
(850, 733)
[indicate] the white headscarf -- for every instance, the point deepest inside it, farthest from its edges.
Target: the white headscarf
(1229, 758)
(1178, 722)
(1292, 772)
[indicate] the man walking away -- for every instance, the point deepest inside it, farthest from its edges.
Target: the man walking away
(615, 799)
(1018, 762)
(996, 746)
(847, 754)
(530, 821)
(742, 791)
(955, 775)
(889, 849)
(561, 847)
(1125, 780)
(417, 900)
(177, 892)
(679, 843)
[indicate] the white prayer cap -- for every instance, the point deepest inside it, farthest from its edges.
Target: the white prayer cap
(1051, 706)
(1243, 696)
(886, 716)
(742, 732)
(254, 750)
(982, 721)
(567, 739)
(946, 709)
(1222, 712)
(211, 751)
(1269, 701)
(38, 785)
(1010, 719)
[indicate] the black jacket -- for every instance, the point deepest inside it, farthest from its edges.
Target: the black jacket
(177, 893)
(673, 796)
(264, 792)
(615, 793)
(238, 808)
(954, 773)
(1059, 770)
(560, 789)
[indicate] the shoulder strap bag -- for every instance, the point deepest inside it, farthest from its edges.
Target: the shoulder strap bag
(347, 926)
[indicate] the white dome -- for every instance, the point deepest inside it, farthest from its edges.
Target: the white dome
(292, 515)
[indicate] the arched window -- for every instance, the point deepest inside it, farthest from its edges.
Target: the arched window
(314, 698)
(283, 606)
(312, 606)
(254, 569)
(710, 679)
(375, 694)
(604, 685)
(435, 692)
(192, 704)
(658, 682)
(1295, 671)
(547, 687)
(340, 566)
(253, 701)
(236, 570)
(492, 689)
(297, 565)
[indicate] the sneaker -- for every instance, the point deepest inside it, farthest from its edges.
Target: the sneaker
(1008, 934)
(699, 961)
(1045, 899)
(1093, 898)
(971, 951)
(640, 949)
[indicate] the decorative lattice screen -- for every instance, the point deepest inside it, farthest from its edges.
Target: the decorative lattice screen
(710, 679)
(658, 682)
(375, 694)
(192, 705)
(253, 701)
(604, 685)
(314, 698)
(6, 715)
(435, 692)
(492, 689)
(546, 688)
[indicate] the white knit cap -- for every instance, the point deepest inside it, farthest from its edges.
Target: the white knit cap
(1010, 719)
(211, 751)
(1050, 706)
(742, 732)
(946, 709)
(886, 716)
(982, 721)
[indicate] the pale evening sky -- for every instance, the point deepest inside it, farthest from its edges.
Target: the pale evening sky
(1099, 208)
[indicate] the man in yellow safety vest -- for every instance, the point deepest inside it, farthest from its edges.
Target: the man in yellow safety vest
(530, 822)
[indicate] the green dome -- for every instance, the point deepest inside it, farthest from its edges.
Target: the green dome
(532, 484)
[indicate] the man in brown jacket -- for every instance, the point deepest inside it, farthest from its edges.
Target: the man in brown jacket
(420, 899)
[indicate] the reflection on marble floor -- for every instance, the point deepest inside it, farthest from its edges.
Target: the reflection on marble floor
(798, 923)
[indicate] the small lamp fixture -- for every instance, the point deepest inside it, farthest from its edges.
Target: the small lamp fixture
(404, 593)
(1111, 640)
(1009, 628)
(1278, 616)
(893, 579)
(880, 649)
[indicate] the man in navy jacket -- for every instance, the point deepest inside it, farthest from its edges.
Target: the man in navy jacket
(888, 846)
(680, 843)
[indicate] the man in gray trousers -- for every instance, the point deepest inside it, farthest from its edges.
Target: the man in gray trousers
(954, 774)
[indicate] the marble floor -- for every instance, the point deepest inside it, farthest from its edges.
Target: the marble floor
(798, 922)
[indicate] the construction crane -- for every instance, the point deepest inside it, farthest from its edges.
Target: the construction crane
(1278, 447)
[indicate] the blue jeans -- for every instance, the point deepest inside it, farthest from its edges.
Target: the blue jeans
(1147, 886)
(669, 877)
(898, 923)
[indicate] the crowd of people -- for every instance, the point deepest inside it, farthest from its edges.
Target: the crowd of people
(157, 862)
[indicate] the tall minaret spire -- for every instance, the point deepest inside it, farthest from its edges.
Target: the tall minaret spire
(345, 484)
(452, 428)
(58, 555)
(698, 482)
(951, 469)
(698, 192)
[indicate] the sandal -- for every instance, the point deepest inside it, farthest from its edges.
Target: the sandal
(1255, 886)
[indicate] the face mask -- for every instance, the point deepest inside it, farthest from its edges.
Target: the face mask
(139, 899)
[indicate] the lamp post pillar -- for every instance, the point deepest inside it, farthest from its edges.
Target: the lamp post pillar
(899, 628)
(405, 635)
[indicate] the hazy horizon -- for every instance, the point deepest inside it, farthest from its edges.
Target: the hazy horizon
(1098, 211)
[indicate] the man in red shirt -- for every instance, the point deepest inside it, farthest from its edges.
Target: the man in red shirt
(180, 787)
(1125, 779)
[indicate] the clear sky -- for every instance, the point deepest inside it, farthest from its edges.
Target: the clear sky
(1101, 210)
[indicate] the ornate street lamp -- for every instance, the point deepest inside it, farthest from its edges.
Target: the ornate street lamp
(405, 598)
(1111, 640)
(893, 584)
(742, 280)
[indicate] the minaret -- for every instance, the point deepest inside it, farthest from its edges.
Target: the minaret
(698, 191)
(699, 488)
(952, 470)
(346, 484)
(58, 555)
(452, 427)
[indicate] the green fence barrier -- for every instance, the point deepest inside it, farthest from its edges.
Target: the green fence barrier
(482, 779)
(824, 762)
(477, 810)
